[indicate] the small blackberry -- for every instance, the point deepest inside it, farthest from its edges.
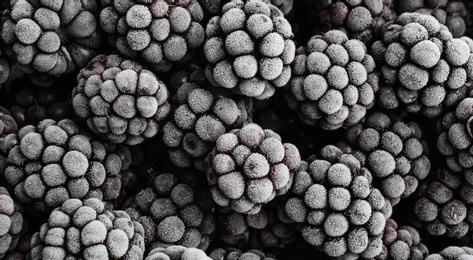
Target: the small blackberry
(53, 37)
(177, 253)
(12, 223)
(393, 151)
(423, 68)
(159, 33)
(236, 254)
(333, 83)
(249, 167)
(86, 230)
(249, 48)
(120, 100)
(52, 162)
(198, 119)
(174, 210)
(336, 206)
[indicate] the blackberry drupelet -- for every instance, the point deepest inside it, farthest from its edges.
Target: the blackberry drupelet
(177, 253)
(54, 37)
(337, 208)
(52, 162)
(120, 100)
(249, 167)
(236, 254)
(423, 68)
(334, 81)
(156, 32)
(249, 48)
(86, 230)
(174, 210)
(394, 152)
(452, 253)
(12, 223)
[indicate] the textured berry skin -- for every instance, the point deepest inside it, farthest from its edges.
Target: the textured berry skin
(174, 209)
(52, 162)
(85, 230)
(12, 223)
(177, 253)
(394, 151)
(8, 124)
(452, 253)
(120, 100)
(198, 118)
(333, 83)
(423, 68)
(336, 206)
(236, 254)
(455, 138)
(249, 167)
(156, 32)
(53, 37)
(402, 243)
(249, 48)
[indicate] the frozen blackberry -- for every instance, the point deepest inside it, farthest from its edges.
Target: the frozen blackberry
(158, 33)
(52, 162)
(174, 210)
(86, 230)
(120, 100)
(8, 124)
(333, 83)
(455, 139)
(443, 206)
(249, 167)
(452, 253)
(4, 68)
(452, 13)
(22, 251)
(198, 119)
(338, 209)
(177, 253)
(214, 7)
(423, 68)
(394, 151)
(285, 6)
(11, 222)
(401, 243)
(249, 48)
(236, 254)
(54, 37)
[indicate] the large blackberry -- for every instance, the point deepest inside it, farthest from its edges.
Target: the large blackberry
(401, 243)
(249, 48)
(393, 151)
(214, 7)
(11, 222)
(236, 254)
(452, 253)
(333, 83)
(174, 210)
(423, 68)
(86, 230)
(51, 162)
(198, 119)
(455, 139)
(120, 100)
(336, 206)
(55, 37)
(249, 167)
(156, 32)
(177, 253)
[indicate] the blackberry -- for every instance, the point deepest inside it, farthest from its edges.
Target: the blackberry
(120, 100)
(394, 152)
(453, 13)
(423, 68)
(236, 254)
(455, 138)
(4, 68)
(12, 223)
(198, 119)
(53, 37)
(249, 167)
(22, 250)
(8, 124)
(249, 48)
(214, 7)
(452, 253)
(86, 230)
(177, 253)
(402, 243)
(52, 162)
(333, 83)
(336, 206)
(174, 210)
(159, 33)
